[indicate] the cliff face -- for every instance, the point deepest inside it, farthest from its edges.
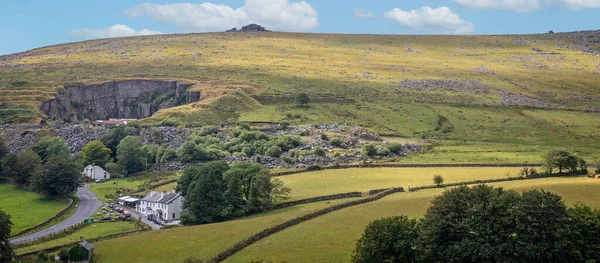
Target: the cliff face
(128, 99)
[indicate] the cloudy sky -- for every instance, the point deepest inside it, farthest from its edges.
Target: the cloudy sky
(27, 24)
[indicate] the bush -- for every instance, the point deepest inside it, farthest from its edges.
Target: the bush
(274, 151)
(324, 137)
(395, 148)
(438, 180)
(304, 133)
(383, 152)
(287, 158)
(337, 142)
(318, 151)
(368, 150)
(336, 154)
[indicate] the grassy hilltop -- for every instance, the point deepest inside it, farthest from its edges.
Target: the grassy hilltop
(514, 89)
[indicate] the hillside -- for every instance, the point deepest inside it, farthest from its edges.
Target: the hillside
(518, 89)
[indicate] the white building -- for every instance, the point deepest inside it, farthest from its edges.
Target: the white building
(94, 172)
(164, 206)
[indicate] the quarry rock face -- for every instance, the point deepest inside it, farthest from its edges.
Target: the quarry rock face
(128, 99)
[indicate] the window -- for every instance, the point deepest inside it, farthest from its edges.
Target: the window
(173, 215)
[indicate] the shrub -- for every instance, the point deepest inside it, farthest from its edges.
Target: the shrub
(383, 152)
(287, 158)
(304, 133)
(324, 137)
(438, 180)
(336, 154)
(395, 148)
(368, 150)
(318, 151)
(337, 142)
(274, 151)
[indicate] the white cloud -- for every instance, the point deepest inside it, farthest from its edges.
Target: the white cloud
(362, 13)
(440, 20)
(578, 4)
(513, 5)
(280, 15)
(113, 31)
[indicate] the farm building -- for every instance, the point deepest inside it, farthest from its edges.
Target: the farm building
(164, 206)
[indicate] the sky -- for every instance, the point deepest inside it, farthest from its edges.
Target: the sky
(28, 24)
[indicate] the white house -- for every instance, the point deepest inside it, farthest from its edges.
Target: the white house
(94, 172)
(164, 206)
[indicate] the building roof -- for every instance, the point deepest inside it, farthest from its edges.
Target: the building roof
(86, 245)
(155, 197)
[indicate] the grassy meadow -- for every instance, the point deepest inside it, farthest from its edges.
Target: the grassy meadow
(332, 237)
(204, 241)
(26, 208)
(327, 182)
(130, 184)
(92, 231)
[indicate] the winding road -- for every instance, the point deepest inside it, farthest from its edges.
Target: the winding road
(88, 204)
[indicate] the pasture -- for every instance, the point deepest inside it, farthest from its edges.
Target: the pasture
(328, 182)
(332, 237)
(92, 231)
(204, 241)
(107, 190)
(26, 208)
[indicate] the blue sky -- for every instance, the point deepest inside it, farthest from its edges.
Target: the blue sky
(27, 24)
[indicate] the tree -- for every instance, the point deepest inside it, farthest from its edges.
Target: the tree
(585, 231)
(49, 146)
(190, 152)
(61, 177)
(438, 180)
(115, 170)
(254, 186)
(560, 159)
(95, 153)
(279, 192)
(130, 155)
(189, 175)
(113, 139)
(391, 239)
(302, 99)
(205, 198)
(3, 152)
(6, 252)
(21, 168)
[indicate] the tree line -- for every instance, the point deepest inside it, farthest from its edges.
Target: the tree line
(486, 224)
(216, 191)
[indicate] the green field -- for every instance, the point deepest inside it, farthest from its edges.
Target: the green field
(327, 182)
(332, 237)
(130, 184)
(204, 241)
(26, 208)
(92, 231)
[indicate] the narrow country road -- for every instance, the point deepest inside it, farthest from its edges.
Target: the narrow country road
(88, 204)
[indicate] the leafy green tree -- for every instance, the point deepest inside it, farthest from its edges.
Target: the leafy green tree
(190, 152)
(561, 160)
(49, 146)
(95, 153)
(113, 138)
(6, 252)
(115, 170)
(395, 148)
(469, 225)
(130, 155)
(542, 228)
(205, 199)
(438, 180)
(21, 168)
(391, 239)
(254, 186)
(585, 232)
(274, 151)
(189, 175)
(61, 177)
(3, 152)
(318, 151)
(279, 192)
(169, 154)
(302, 100)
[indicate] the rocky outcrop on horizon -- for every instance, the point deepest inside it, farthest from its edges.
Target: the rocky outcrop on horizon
(249, 28)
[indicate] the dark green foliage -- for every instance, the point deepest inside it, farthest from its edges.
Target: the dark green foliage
(6, 252)
(156, 136)
(21, 168)
(78, 253)
(130, 155)
(395, 148)
(115, 170)
(191, 152)
(168, 154)
(251, 136)
(391, 239)
(208, 130)
(3, 152)
(324, 137)
(112, 139)
(61, 177)
(205, 198)
(487, 224)
(274, 151)
(254, 187)
(48, 146)
(63, 255)
(302, 100)
(383, 151)
(562, 160)
(189, 175)
(95, 153)
(368, 150)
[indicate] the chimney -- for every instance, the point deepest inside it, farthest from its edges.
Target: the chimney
(173, 191)
(162, 194)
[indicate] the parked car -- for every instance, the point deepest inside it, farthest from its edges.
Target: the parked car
(101, 180)
(106, 218)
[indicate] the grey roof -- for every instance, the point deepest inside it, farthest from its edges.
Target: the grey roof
(87, 245)
(167, 198)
